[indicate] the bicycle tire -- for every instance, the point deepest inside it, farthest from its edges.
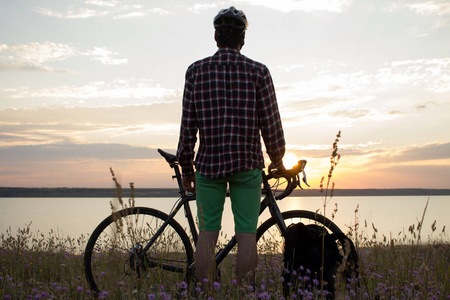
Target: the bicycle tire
(112, 258)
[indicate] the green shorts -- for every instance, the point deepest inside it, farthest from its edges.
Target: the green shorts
(245, 195)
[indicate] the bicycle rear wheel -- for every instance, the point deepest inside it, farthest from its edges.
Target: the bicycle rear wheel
(115, 257)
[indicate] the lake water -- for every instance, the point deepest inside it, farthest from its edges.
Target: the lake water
(389, 214)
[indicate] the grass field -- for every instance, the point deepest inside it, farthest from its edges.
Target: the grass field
(34, 265)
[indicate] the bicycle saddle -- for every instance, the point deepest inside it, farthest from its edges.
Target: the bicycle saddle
(170, 158)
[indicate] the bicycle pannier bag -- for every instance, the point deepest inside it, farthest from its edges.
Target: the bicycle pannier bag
(303, 258)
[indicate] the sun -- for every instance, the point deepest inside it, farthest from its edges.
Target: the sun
(290, 160)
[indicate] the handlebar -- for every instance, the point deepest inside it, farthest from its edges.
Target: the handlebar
(292, 177)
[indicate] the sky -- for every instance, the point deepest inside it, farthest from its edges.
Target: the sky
(86, 85)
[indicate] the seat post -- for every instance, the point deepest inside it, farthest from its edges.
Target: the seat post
(178, 177)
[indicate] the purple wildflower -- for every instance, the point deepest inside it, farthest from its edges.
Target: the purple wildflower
(103, 295)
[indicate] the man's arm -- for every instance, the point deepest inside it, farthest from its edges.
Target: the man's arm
(188, 131)
(270, 121)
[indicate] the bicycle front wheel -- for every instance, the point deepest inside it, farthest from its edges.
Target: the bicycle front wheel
(116, 255)
(270, 242)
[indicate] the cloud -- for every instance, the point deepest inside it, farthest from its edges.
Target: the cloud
(110, 3)
(158, 113)
(343, 97)
(335, 6)
(5, 67)
(137, 124)
(116, 89)
(374, 159)
(359, 167)
(97, 8)
(126, 9)
(80, 13)
(430, 7)
(34, 56)
(435, 7)
(435, 151)
(131, 15)
(39, 52)
(74, 152)
(104, 56)
(433, 15)
(198, 7)
(432, 74)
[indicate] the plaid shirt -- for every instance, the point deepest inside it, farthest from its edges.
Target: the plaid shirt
(229, 99)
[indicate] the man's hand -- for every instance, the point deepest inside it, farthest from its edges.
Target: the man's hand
(279, 166)
(188, 183)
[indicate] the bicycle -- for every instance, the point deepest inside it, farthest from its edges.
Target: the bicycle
(138, 245)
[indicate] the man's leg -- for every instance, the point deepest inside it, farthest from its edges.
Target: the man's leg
(247, 258)
(245, 192)
(205, 256)
(210, 200)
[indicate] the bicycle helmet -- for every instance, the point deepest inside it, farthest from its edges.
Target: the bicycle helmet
(231, 19)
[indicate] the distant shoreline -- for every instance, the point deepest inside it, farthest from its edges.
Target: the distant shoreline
(168, 192)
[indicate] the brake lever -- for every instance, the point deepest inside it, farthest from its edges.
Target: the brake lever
(304, 178)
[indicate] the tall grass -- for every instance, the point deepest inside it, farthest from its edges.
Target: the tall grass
(327, 194)
(44, 266)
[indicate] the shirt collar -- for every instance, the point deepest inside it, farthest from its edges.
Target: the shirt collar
(228, 50)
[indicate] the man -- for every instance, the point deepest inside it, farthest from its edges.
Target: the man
(230, 101)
